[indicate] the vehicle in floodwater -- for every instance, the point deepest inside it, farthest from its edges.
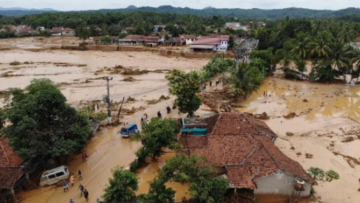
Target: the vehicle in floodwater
(128, 130)
(54, 176)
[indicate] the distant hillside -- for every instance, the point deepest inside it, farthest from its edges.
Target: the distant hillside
(23, 11)
(209, 11)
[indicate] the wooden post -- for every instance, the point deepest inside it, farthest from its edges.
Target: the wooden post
(235, 191)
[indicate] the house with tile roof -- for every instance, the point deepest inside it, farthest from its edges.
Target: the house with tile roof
(68, 32)
(11, 170)
(132, 39)
(189, 39)
(213, 43)
(242, 149)
(56, 31)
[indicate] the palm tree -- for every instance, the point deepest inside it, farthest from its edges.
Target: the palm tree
(301, 48)
(320, 47)
(340, 55)
(246, 78)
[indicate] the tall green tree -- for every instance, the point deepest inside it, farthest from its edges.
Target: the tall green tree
(185, 86)
(122, 186)
(246, 78)
(157, 134)
(82, 32)
(158, 193)
(42, 123)
(301, 48)
(209, 190)
(320, 47)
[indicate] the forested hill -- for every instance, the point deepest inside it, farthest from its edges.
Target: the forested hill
(236, 12)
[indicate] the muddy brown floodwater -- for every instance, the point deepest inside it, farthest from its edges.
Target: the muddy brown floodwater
(325, 128)
(78, 75)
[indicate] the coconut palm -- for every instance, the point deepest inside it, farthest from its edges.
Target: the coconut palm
(340, 55)
(246, 78)
(320, 47)
(301, 48)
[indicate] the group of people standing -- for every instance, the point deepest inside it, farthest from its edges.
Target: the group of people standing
(83, 192)
(212, 84)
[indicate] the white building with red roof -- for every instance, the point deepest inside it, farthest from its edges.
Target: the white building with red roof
(68, 32)
(214, 43)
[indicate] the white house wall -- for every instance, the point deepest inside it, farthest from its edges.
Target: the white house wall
(279, 183)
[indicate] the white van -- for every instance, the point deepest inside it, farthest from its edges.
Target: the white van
(54, 175)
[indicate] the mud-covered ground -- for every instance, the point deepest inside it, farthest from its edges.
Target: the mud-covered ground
(79, 76)
(324, 131)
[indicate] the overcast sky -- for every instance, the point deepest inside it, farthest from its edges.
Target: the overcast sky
(67, 5)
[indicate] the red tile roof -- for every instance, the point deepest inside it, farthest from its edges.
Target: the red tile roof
(57, 29)
(243, 145)
(213, 40)
(9, 176)
(10, 171)
(7, 156)
(240, 177)
(68, 29)
(135, 37)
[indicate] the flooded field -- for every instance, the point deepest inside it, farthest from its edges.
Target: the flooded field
(323, 121)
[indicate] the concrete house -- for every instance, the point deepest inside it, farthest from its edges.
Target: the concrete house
(132, 39)
(56, 31)
(241, 149)
(213, 43)
(189, 39)
(68, 32)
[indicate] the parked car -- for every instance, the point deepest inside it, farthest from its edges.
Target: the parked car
(54, 175)
(129, 129)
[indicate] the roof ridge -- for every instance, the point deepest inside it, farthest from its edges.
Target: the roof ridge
(267, 151)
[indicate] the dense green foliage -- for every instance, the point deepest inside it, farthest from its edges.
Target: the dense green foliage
(325, 42)
(158, 193)
(122, 186)
(233, 12)
(113, 23)
(216, 66)
(158, 133)
(246, 77)
(106, 39)
(42, 123)
(185, 86)
(203, 187)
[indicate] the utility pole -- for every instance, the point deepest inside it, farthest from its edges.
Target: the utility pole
(108, 98)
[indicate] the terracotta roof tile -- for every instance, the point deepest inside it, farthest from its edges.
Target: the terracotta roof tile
(7, 156)
(190, 141)
(240, 177)
(9, 176)
(244, 145)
